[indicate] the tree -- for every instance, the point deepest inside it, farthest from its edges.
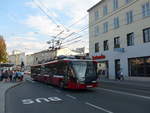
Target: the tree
(3, 53)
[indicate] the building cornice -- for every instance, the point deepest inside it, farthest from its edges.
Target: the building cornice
(95, 5)
(115, 12)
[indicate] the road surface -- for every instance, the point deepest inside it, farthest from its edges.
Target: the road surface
(35, 97)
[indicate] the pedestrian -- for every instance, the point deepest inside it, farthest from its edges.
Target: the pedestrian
(6, 76)
(10, 75)
(0, 75)
(20, 75)
(120, 75)
(15, 76)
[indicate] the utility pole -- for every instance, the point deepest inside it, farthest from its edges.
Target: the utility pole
(54, 44)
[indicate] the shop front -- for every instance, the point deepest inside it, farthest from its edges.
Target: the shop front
(139, 67)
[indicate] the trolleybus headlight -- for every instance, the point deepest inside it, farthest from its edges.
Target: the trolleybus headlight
(93, 81)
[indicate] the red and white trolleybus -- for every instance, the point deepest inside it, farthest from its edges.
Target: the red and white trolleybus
(67, 73)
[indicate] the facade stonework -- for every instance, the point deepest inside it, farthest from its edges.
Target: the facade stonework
(17, 58)
(120, 31)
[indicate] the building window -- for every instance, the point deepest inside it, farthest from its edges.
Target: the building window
(130, 39)
(116, 22)
(105, 27)
(105, 45)
(105, 10)
(139, 67)
(96, 15)
(96, 47)
(129, 17)
(36, 58)
(115, 4)
(146, 35)
(96, 31)
(146, 9)
(128, 1)
(117, 42)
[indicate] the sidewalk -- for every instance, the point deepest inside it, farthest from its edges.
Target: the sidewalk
(3, 88)
(145, 85)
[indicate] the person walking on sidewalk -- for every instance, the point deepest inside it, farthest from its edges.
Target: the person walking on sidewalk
(10, 75)
(1, 75)
(6, 76)
(15, 76)
(120, 75)
(20, 75)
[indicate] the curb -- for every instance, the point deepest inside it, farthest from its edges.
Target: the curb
(3, 109)
(126, 84)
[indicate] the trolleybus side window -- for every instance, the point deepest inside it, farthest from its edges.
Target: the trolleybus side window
(35, 70)
(48, 69)
(61, 69)
(43, 70)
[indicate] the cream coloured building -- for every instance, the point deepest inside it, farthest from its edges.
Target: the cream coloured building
(43, 56)
(17, 58)
(119, 34)
(29, 60)
(66, 51)
(47, 55)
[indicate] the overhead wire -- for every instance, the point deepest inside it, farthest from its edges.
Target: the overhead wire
(83, 29)
(78, 20)
(59, 22)
(137, 14)
(110, 25)
(45, 13)
(42, 4)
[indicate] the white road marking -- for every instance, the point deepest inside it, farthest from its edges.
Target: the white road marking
(71, 96)
(97, 107)
(30, 80)
(125, 93)
(54, 99)
(41, 100)
(58, 91)
(134, 90)
(27, 101)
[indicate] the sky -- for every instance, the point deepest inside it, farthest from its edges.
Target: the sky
(27, 25)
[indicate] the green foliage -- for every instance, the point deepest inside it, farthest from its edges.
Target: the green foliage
(3, 52)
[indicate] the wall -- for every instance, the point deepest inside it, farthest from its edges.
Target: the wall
(139, 23)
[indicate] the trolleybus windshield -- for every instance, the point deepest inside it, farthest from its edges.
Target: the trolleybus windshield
(83, 69)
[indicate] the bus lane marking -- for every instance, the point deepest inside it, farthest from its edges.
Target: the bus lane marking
(41, 100)
(124, 93)
(97, 107)
(71, 96)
